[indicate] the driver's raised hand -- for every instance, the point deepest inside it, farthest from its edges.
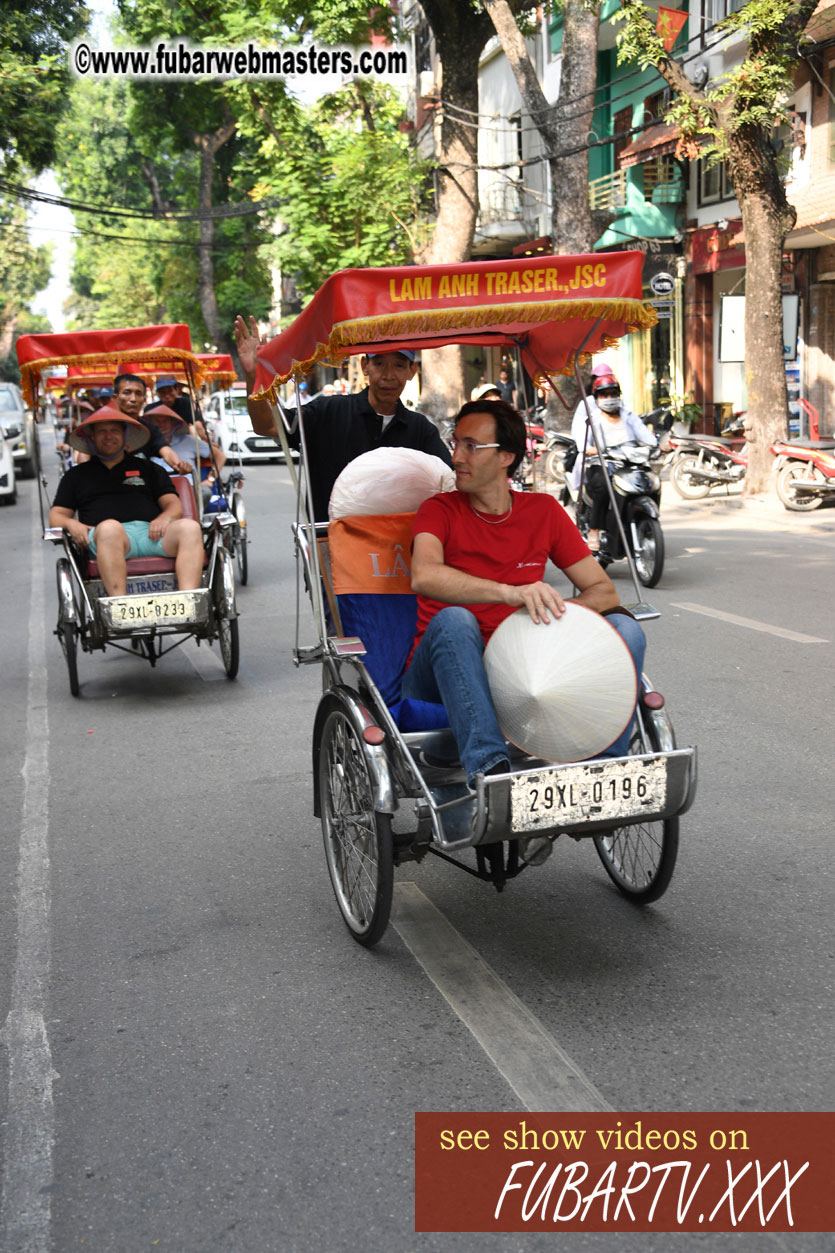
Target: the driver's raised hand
(540, 600)
(247, 340)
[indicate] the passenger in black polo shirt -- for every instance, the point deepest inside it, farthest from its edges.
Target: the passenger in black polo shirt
(339, 428)
(127, 506)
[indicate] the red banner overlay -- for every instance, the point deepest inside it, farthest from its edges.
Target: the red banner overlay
(624, 1172)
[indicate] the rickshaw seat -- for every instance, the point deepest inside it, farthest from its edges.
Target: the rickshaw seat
(156, 565)
(368, 553)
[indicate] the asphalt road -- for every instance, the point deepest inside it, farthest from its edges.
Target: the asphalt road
(229, 1071)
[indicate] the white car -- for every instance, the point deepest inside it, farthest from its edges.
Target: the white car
(8, 485)
(228, 423)
(19, 428)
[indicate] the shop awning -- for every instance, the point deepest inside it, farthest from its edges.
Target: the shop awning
(657, 141)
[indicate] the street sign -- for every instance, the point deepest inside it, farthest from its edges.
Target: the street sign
(664, 313)
(662, 284)
(664, 303)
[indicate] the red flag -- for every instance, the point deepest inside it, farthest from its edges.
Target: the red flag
(668, 25)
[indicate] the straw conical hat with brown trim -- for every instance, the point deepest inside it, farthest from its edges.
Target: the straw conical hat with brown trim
(137, 434)
(562, 690)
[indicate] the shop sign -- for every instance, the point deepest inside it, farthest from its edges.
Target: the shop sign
(662, 284)
(714, 250)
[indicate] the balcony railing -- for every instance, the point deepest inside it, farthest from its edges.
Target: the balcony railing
(608, 192)
(663, 183)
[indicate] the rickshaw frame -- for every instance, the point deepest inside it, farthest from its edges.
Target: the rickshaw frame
(85, 615)
(360, 752)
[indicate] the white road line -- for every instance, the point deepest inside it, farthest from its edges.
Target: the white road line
(30, 1126)
(206, 661)
(541, 1074)
(751, 623)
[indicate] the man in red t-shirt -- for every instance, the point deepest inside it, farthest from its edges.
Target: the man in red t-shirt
(478, 555)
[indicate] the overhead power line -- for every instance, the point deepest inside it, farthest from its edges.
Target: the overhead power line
(18, 192)
(79, 231)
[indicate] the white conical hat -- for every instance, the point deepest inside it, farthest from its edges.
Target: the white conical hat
(563, 690)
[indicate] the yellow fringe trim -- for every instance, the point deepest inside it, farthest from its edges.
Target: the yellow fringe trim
(29, 369)
(392, 326)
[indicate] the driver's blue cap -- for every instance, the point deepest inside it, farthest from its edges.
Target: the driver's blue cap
(404, 352)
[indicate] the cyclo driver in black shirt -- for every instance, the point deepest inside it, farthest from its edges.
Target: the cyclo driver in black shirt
(340, 428)
(127, 506)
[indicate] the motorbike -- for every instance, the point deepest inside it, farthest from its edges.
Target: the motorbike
(561, 451)
(638, 494)
(805, 472)
(702, 462)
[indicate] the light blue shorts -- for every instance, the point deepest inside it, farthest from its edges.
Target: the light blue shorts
(141, 545)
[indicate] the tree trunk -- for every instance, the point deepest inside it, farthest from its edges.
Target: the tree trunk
(208, 146)
(460, 34)
(562, 127)
(573, 225)
(767, 218)
(9, 326)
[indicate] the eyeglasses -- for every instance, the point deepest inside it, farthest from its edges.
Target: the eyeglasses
(469, 446)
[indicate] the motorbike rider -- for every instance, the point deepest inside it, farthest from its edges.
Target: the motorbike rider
(612, 423)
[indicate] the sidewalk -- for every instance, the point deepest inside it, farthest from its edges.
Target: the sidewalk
(725, 512)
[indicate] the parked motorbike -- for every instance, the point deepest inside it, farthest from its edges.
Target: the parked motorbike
(638, 495)
(805, 472)
(702, 462)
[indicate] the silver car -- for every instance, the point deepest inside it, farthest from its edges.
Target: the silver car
(19, 429)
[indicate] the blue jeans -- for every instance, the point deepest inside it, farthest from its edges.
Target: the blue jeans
(447, 667)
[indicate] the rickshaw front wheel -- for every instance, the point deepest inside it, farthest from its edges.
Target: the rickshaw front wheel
(640, 858)
(358, 840)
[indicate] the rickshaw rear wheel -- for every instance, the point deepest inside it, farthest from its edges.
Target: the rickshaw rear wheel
(239, 510)
(67, 629)
(358, 840)
(227, 624)
(640, 858)
(69, 645)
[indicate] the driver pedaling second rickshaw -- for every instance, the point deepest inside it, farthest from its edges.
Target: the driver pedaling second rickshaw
(479, 554)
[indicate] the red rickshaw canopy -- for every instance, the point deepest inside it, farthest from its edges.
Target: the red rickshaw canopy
(152, 350)
(218, 367)
(546, 305)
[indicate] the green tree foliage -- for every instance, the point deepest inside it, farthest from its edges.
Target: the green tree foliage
(130, 271)
(348, 183)
(34, 78)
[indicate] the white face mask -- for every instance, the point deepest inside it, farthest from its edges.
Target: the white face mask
(609, 404)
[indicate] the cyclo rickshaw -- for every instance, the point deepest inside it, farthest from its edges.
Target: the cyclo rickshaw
(154, 617)
(372, 765)
(219, 369)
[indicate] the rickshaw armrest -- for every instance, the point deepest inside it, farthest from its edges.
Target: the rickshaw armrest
(54, 533)
(347, 646)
